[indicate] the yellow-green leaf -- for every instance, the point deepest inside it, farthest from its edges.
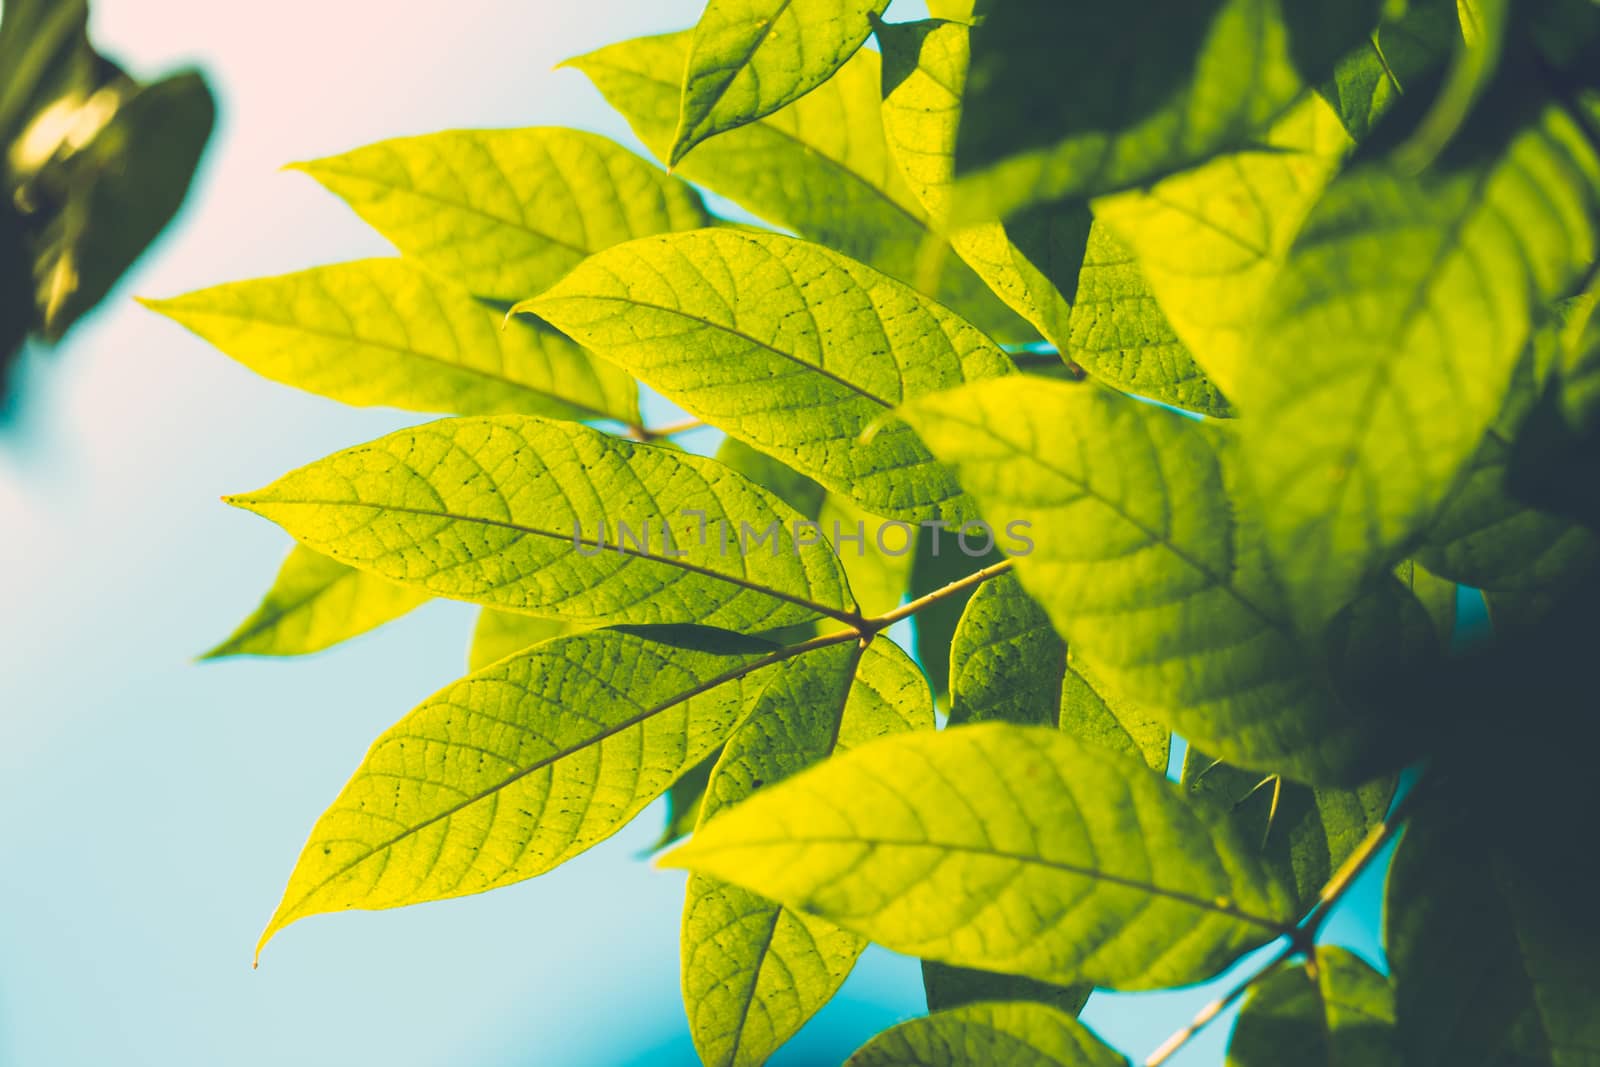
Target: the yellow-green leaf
(381, 332)
(497, 634)
(1009, 848)
(819, 168)
(753, 970)
(1388, 341)
(507, 212)
(528, 515)
(1011, 666)
(1075, 100)
(786, 345)
(1030, 262)
(1147, 559)
(521, 766)
(1120, 335)
(1209, 241)
(1014, 1034)
(749, 58)
(316, 602)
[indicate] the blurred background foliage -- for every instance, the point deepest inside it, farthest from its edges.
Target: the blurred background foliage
(95, 164)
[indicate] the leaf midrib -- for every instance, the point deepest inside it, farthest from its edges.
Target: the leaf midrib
(732, 331)
(461, 205)
(837, 614)
(1155, 538)
(731, 675)
(399, 350)
(1091, 873)
(721, 90)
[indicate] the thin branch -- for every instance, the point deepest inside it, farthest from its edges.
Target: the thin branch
(645, 433)
(1303, 940)
(905, 611)
(1209, 1013)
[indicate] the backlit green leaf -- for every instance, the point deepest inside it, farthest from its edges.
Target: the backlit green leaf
(525, 514)
(748, 58)
(380, 332)
(1305, 833)
(1438, 597)
(1012, 667)
(1147, 560)
(755, 971)
(1009, 848)
(1389, 339)
(1337, 1013)
(1120, 335)
(786, 345)
(818, 167)
(513, 770)
(1015, 1034)
(507, 212)
(314, 603)
(683, 799)
(1079, 99)
(497, 634)
(1030, 262)
(1209, 241)
(1485, 537)
(952, 987)
(1413, 41)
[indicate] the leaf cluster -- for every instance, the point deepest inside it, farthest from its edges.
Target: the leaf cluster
(1172, 367)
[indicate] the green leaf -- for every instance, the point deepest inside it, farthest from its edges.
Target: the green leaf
(1018, 1035)
(939, 559)
(819, 167)
(497, 634)
(783, 482)
(527, 515)
(1011, 667)
(1484, 27)
(956, 10)
(684, 798)
(880, 570)
(1146, 558)
(1008, 662)
(380, 332)
(748, 59)
(1209, 241)
(1490, 966)
(1486, 538)
(1120, 335)
(1438, 597)
(117, 193)
(515, 769)
(1304, 833)
(1073, 100)
(507, 212)
(1413, 41)
(787, 346)
(1388, 342)
(755, 971)
(1030, 262)
(1008, 848)
(1338, 1012)
(315, 603)
(952, 987)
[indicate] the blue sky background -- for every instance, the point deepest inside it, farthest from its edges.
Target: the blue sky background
(151, 808)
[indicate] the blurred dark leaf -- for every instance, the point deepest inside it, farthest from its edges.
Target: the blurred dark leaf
(94, 166)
